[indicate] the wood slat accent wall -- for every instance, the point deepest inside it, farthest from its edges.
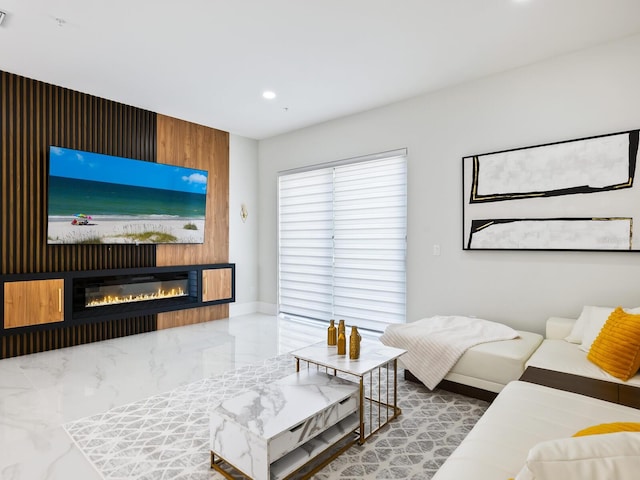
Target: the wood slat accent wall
(41, 341)
(33, 116)
(195, 146)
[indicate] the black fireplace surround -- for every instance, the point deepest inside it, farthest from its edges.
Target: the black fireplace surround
(98, 295)
(134, 292)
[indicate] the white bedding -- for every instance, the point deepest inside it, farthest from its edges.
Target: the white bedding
(435, 344)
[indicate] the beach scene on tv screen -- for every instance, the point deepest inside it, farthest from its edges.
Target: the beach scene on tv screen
(95, 198)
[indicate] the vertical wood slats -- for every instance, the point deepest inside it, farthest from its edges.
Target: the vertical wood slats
(33, 116)
(41, 341)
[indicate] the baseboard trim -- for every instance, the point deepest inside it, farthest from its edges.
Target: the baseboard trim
(267, 308)
(238, 309)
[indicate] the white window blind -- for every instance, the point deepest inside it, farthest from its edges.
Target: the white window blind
(342, 242)
(306, 244)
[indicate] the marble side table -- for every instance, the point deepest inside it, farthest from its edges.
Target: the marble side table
(378, 364)
(274, 430)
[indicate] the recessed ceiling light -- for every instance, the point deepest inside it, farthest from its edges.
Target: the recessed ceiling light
(2, 17)
(269, 95)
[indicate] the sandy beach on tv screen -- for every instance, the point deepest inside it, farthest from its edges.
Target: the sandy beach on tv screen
(126, 230)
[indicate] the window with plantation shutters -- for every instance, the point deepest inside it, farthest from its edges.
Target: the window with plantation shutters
(342, 241)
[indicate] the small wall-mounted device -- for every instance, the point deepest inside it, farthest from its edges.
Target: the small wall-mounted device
(2, 17)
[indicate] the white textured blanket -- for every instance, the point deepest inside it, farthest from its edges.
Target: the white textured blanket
(435, 344)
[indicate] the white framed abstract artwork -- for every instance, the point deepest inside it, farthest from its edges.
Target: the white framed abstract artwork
(571, 195)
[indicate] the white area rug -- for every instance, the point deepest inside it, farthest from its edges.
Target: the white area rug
(167, 436)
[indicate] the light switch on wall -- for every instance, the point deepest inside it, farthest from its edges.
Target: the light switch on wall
(436, 250)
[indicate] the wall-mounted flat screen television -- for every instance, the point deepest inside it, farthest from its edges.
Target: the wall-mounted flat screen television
(95, 198)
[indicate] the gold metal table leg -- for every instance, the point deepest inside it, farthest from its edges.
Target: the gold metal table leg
(362, 438)
(396, 410)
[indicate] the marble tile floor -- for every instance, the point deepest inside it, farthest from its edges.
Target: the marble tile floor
(41, 392)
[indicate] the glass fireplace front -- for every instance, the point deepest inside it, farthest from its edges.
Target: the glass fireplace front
(122, 289)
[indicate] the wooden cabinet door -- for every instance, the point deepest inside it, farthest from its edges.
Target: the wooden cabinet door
(216, 284)
(33, 302)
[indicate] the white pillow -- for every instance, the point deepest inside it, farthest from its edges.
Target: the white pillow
(525, 474)
(597, 317)
(578, 328)
(593, 457)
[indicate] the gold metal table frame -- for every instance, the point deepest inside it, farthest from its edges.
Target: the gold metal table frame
(381, 405)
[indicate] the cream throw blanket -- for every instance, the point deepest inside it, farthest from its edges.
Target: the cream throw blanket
(435, 344)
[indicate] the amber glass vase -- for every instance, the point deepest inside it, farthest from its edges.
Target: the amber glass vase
(332, 334)
(354, 343)
(342, 343)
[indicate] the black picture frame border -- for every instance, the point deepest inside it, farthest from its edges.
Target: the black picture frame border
(466, 195)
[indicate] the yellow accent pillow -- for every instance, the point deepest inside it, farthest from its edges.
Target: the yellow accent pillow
(616, 349)
(609, 428)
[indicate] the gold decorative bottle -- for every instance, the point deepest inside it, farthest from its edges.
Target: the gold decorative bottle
(354, 343)
(332, 334)
(342, 342)
(341, 327)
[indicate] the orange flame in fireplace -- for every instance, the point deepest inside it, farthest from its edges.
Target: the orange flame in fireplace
(142, 297)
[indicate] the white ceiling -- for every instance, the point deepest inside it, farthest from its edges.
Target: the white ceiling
(208, 61)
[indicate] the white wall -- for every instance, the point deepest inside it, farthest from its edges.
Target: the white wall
(243, 236)
(591, 92)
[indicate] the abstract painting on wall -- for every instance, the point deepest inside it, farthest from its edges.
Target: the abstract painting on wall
(573, 195)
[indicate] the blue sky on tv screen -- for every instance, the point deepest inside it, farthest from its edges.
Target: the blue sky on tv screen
(65, 162)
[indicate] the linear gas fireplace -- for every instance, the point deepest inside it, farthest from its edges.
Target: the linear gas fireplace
(57, 309)
(140, 292)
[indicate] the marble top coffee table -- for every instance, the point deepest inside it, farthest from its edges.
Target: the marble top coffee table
(274, 430)
(377, 365)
